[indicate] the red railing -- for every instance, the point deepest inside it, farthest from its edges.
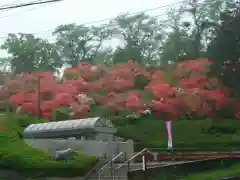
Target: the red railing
(154, 156)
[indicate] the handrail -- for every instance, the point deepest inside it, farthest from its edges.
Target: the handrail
(193, 150)
(94, 169)
(222, 148)
(130, 159)
(112, 160)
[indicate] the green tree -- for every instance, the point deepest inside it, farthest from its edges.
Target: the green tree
(142, 37)
(189, 38)
(176, 44)
(5, 64)
(104, 56)
(225, 47)
(204, 15)
(30, 54)
(78, 42)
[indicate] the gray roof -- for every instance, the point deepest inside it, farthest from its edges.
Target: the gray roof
(78, 124)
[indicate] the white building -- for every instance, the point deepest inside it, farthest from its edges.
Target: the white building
(92, 136)
(89, 129)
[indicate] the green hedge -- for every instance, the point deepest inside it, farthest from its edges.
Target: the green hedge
(202, 134)
(232, 171)
(214, 172)
(17, 155)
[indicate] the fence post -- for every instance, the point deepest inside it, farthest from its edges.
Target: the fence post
(111, 168)
(145, 170)
(99, 176)
(113, 174)
(222, 163)
(173, 154)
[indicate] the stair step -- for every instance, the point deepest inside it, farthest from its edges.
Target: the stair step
(120, 174)
(108, 178)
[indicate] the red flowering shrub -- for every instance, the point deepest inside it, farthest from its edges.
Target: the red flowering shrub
(30, 107)
(66, 88)
(122, 76)
(158, 76)
(161, 90)
(63, 99)
(80, 110)
(49, 106)
(17, 99)
(183, 90)
(133, 102)
(84, 70)
(47, 115)
(30, 97)
(191, 91)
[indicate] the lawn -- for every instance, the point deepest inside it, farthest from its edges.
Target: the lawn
(211, 170)
(147, 132)
(16, 155)
(232, 171)
(201, 134)
(213, 174)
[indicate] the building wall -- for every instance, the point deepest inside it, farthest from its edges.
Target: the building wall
(89, 147)
(104, 137)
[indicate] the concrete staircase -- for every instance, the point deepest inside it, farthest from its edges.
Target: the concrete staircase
(121, 169)
(121, 174)
(106, 173)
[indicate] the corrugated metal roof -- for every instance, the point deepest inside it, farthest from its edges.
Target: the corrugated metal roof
(88, 123)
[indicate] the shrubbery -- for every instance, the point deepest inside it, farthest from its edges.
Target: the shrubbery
(202, 135)
(184, 90)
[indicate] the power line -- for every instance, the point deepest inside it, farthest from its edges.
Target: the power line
(40, 6)
(130, 14)
(139, 12)
(110, 25)
(11, 3)
(28, 4)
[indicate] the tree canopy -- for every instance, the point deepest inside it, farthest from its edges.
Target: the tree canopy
(194, 29)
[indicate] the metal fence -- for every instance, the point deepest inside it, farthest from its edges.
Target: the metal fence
(230, 178)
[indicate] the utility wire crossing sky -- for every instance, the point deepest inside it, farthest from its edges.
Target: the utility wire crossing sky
(14, 6)
(43, 19)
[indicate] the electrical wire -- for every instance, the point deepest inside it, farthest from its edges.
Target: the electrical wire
(139, 12)
(28, 4)
(108, 19)
(163, 22)
(34, 8)
(129, 14)
(11, 3)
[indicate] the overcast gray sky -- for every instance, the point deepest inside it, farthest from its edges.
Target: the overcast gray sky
(41, 19)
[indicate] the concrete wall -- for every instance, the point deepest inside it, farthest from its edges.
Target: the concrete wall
(104, 137)
(89, 147)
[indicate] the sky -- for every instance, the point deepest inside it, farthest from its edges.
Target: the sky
(43, 19)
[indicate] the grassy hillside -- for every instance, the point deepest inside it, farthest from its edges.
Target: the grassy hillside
(204, 174)
(17, 155)
(203, 134)
(232, 171)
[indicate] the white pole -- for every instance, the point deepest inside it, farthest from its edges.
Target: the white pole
(113, 175)
(143, 163)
